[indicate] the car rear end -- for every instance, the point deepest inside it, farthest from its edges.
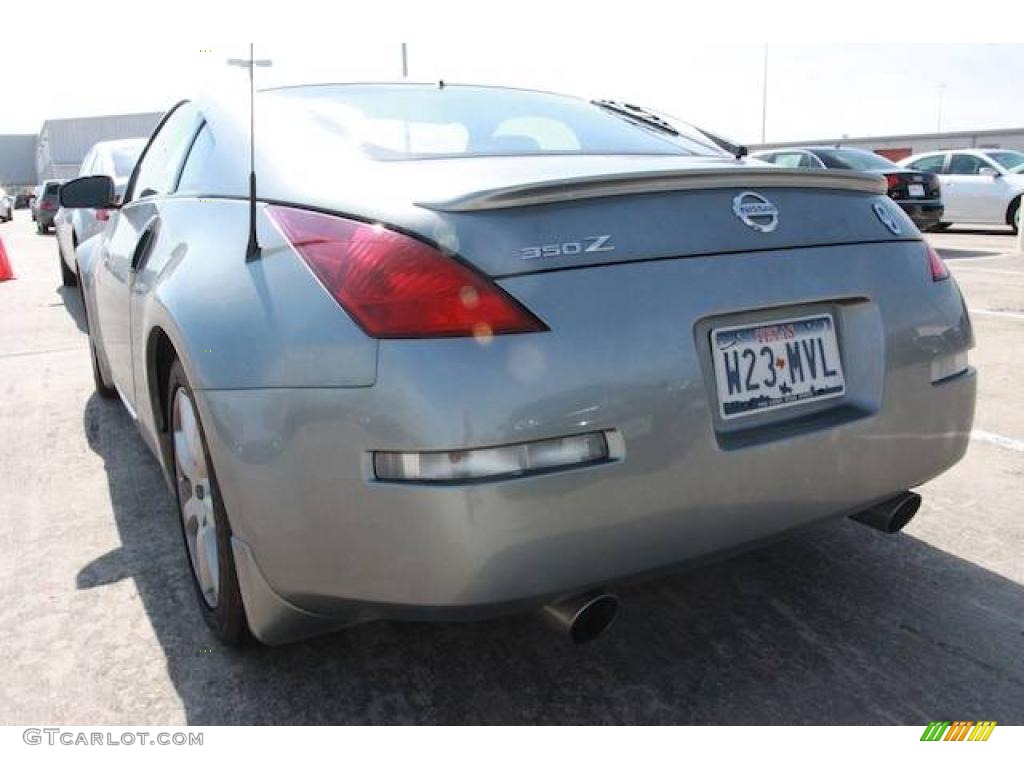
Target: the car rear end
(47, 205)
(919, 194)
(643, 379)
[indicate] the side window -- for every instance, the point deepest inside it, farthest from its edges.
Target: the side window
(195, 176)
(158, 170)
(789, 159)
(930, 164)
(966, 165)
(809, 161)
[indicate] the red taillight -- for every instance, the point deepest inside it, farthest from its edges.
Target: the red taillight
(893, 181)
(102, 214)
(936, 264)
(46, 205)
(395, 286)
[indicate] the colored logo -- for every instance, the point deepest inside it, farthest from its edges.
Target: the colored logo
(959, 730)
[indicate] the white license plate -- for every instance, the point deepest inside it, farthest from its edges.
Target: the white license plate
(763, 367)
(916, 190)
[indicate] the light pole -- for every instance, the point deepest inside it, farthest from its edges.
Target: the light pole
(764, 94)
(405, 62)
(942, 91)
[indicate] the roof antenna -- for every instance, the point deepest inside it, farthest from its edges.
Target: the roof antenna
(252, 251)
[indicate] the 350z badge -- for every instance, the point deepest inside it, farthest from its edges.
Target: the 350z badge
(593, 244)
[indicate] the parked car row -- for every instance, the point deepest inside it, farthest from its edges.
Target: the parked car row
(460, 351)
(936, 189)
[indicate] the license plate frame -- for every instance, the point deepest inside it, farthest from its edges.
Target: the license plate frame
(915, 190)
(822, 353)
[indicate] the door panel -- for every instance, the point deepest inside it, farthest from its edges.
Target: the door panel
(113, 292)
(975, 197)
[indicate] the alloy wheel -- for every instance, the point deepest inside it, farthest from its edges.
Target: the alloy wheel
(195, 497)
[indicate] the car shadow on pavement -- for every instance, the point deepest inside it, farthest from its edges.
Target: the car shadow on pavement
(72, 301)
(993, 230)
(964, 253)
(839, 624)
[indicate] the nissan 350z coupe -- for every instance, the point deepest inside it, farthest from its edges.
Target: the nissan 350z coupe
(493, 350)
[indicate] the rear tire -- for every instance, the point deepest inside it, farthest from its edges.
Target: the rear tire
(103, 388)
(205, 531)
(40, 229)
(67, 277)
(1013, 215)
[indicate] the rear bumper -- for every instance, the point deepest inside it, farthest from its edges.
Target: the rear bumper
(924, 214)
(321, 544)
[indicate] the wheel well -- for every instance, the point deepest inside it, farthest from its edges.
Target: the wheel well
(1014, 205)
(160, 357)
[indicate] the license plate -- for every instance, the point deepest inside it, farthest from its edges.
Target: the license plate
(916, 190)
(764, 367)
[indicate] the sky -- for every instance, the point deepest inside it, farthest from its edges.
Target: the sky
(814, 91)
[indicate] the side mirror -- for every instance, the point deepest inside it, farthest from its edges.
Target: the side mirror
(89, 192)
(989, 171)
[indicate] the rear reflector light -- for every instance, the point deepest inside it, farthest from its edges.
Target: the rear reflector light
(395, 286)
(46, 205)
(892, 181)
(936, 264)
(948, 366)
(501, 461)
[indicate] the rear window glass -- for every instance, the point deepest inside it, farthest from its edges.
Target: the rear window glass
(124, 159)
(398, 122)
(52, 188)
(855, 160)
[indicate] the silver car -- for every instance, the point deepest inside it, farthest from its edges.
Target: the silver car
(6, 205)
(107, 158)
(486, 350)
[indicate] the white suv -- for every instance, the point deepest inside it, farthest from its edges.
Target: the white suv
(979, 186)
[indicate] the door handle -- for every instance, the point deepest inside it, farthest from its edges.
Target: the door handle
(145, 244)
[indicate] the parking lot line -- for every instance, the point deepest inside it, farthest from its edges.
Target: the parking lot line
(1001, 440)
(997, 313)
(1018, 272)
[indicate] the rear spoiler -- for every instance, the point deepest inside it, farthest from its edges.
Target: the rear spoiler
(611, 185)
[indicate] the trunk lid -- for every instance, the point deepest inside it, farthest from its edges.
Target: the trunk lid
(542, 214)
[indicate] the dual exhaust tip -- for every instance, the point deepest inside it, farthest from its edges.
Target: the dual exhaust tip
(583, 617)
(892, 515)
(586, 616)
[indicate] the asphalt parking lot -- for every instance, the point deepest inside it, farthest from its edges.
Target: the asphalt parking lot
(840, 624)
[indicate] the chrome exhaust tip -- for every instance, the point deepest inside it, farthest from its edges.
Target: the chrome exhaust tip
(583, 617)
(891, 516)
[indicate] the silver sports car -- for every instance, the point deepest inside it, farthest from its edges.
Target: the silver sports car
(488, 350)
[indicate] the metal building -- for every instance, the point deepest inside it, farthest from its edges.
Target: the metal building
(898, 147)
(63, 144)
(18, 162)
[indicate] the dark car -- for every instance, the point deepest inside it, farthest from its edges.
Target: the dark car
(916, 192)
(46, 204)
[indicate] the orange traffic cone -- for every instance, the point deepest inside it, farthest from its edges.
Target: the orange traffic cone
(6, 273)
